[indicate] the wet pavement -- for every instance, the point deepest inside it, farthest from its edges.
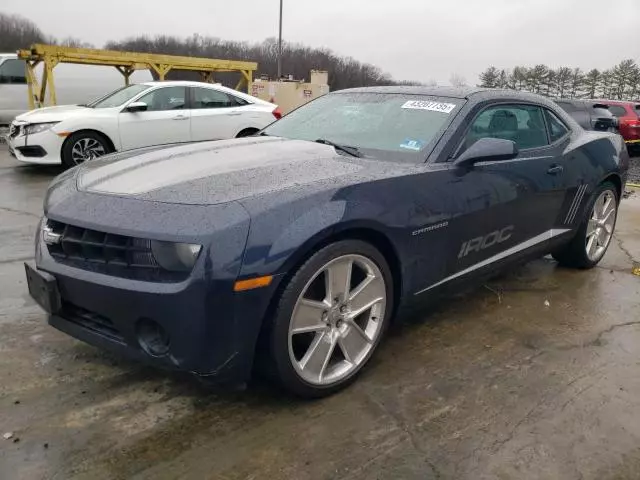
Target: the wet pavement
(532, 376)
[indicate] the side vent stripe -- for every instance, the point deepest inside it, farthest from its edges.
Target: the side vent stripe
(578, 203)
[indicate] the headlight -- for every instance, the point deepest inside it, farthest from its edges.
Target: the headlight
(175, 257)
(38, 127)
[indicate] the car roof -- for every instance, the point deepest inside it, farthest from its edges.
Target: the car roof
(617, 102)
(452, 92)
(582, 101)
(181, 83)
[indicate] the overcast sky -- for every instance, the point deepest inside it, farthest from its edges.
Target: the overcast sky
(411, 39)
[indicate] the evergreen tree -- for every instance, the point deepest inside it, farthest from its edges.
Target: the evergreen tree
(577, 83)
(592, 83)
(563, 81)
(489, 78)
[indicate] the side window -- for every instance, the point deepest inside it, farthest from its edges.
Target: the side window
(557, 129)
(167, 98)
(523, 124)
(13, 71)
(210, 98)
(617, 110)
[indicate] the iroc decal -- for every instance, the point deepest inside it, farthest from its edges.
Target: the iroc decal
(480, 243)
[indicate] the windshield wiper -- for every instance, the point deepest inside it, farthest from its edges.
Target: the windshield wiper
(353, 151)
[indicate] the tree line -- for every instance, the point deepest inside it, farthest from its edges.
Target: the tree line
(17, 32)
(297, 59)
(621, 82)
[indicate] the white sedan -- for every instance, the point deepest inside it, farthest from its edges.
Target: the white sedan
(135, 116)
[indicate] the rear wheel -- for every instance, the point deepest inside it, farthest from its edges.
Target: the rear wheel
(595, 233)
(82, 146)
(331, 318)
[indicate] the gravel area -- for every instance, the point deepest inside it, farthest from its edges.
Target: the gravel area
(634, 170)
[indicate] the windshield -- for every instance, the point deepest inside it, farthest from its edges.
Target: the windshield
(383, 125)
(120, 96)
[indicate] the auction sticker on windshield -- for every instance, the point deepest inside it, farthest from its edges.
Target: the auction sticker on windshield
(410, 144)
(433, 106)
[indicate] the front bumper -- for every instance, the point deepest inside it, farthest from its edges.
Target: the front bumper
(212, 330)
(42, 148)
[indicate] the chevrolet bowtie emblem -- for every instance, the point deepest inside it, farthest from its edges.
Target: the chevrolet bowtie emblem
(50, 237)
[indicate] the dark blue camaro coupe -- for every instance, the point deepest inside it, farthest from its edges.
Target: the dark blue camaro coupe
(294, 249)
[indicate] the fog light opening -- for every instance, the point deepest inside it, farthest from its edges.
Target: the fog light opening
(153, 339)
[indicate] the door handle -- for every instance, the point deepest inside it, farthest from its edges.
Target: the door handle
(555, 169)
(180, 117)
(234, 114)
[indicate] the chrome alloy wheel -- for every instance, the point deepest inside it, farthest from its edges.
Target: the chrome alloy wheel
(337, 319)
(87, 149)
(600, 226)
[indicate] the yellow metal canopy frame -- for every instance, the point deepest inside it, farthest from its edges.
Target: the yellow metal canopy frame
(125, 62)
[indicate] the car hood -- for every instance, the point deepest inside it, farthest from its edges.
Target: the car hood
(54, 114)
(223, 171)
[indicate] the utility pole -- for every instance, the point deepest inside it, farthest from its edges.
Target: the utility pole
(280, 45)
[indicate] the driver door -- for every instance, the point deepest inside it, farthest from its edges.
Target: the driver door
(166, 120)
(497, 209)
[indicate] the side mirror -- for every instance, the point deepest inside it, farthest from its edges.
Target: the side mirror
(487, 149)
(136, 107)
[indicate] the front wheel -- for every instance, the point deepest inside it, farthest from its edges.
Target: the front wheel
(331, 318)
(595, 232)
(82, 146)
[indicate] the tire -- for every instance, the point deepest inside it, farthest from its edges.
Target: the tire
(82, 146)
(576, 254)
(329, 339)
(247, 132)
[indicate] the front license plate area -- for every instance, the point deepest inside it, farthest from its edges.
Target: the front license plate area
(43, 288)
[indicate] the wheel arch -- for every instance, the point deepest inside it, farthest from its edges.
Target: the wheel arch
(363, 231)
(616, 180)
(613, 178)
(92, 130)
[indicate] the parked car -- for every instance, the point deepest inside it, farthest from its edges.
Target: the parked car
(74, 84)
(628, 114)
(293, 250)
(590, 114)
(141, 115)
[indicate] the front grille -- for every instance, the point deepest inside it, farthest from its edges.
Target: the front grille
(90, 321)
(116, 255)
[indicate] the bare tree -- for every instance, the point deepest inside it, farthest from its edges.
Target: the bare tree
(457, 80)
(74, 42)
(297, 59)
(18, 32)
